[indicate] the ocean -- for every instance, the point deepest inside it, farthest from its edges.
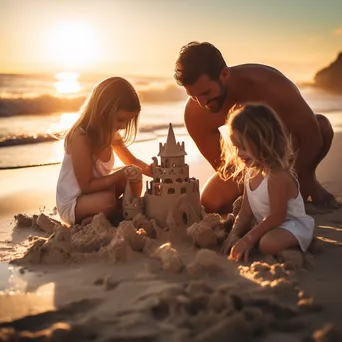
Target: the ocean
(35, 111)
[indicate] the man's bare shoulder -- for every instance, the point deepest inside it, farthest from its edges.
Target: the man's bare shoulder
(263, 83)
(256, 68)
(261, 74)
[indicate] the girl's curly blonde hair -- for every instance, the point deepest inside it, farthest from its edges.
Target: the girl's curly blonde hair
(260, 129)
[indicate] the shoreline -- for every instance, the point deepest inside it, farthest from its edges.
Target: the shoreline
(51, 152)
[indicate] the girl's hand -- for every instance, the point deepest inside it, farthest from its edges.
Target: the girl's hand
(133, 174)
(231, 240)
(242, 249)
(148, 170)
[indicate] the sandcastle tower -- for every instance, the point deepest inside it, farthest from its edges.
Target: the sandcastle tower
(170, 181)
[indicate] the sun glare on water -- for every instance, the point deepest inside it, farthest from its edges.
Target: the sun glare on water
(61, 126)
(67, 82)
(66, 120)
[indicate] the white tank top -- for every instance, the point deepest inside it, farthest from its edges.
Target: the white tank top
(296, 221)
(67, 185)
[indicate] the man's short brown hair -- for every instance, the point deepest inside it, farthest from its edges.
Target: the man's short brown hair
(197, 59)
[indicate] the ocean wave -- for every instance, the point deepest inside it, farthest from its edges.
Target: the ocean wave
(161, 92)
(154, 92)
(26, 139)
(13, 167)
(38, 105)
(146, 133)
(16, 152)
(151, 91)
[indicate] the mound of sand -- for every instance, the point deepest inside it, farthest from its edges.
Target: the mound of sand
(205, 297)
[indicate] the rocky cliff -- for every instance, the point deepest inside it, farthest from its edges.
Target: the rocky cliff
(330, 78)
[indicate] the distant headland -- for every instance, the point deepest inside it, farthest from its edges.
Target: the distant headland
(330, 77)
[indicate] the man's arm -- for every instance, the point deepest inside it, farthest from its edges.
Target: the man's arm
(305, 132)
(303, 126)
(203, 129)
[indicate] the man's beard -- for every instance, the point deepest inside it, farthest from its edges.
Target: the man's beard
(219, 100)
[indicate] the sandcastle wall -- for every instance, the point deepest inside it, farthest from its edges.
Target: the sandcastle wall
(171, 173)
(158, 207)
(132, 208)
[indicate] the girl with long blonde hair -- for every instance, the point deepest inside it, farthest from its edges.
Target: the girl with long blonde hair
(108, 122)
(259, 152)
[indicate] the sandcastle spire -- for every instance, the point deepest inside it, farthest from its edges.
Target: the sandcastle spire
(128, 196)
(171, 148)
(171, 139)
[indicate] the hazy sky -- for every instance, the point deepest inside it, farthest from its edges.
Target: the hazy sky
(144, 36)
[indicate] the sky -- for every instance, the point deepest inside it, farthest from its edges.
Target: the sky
(143, 37)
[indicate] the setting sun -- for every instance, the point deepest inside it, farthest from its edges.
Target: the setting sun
(73, 45)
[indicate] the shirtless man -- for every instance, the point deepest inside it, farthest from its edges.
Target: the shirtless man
(215, 89)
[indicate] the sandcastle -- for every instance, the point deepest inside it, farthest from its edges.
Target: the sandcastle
(171, 185)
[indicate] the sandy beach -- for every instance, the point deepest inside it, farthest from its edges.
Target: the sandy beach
(138, 298)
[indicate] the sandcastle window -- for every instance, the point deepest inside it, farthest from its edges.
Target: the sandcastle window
(167, 180)
(179, 180)
(185, 218)
(173, 164)
(171, 191)
(158, 190)
(183, 190)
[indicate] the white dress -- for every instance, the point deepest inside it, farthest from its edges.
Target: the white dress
(68, 189)
(297, 221)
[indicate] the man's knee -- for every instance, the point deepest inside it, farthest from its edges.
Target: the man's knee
(326, 128)
(218, 196)
(215, 202)
(212, 204)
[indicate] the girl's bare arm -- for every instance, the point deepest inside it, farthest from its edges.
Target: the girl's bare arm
(82, 161)
(127, 157)
(244, 217)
